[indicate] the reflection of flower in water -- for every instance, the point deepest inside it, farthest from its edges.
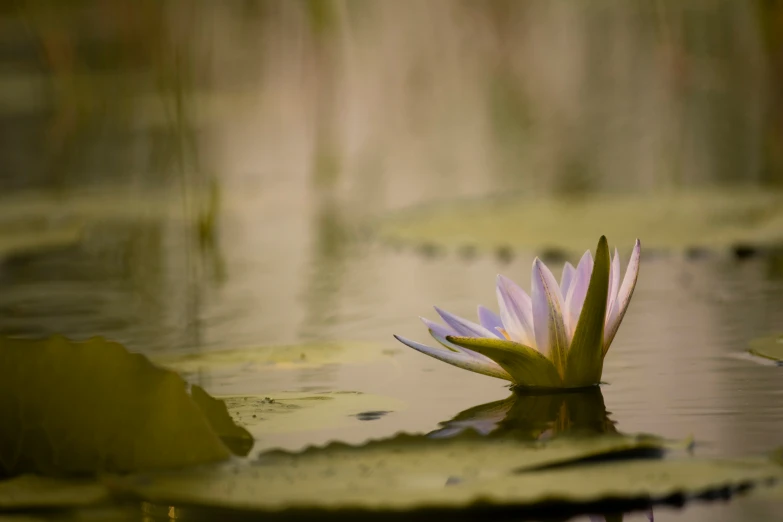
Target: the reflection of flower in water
(535, 416)
(538, 417)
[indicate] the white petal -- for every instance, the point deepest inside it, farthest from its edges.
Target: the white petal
(490, 320)
(614, 282)
(516, 311)
(577, 292)
(566, 278)
(460, 360)
(548, 323)
(440, 332)
(623, 296)
(464, 327)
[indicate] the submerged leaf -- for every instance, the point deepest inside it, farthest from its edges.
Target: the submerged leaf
(408, 473)
(770, 348)
(527, 366)
(82, 407)
(585, 357)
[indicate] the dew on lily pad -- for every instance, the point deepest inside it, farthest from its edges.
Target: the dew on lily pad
(91, 406)
(407, 473)
(768, 348)
(681, 220)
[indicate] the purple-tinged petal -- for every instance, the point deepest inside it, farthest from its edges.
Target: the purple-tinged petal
(577, 292)
(463, 326)
(566, 279)
(490, 320)
(460, 360)
(614, 282)
(516, 311)
(624, 295)
(440, 332)
(550, 331)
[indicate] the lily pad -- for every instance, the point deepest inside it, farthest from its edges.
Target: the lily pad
(84, 407)
(26, 239)
(285, 419)
(278, 357)
(678, 220)
(92, 204)
(406, 473)
(237, 438)
(770, 348)
(34, 491)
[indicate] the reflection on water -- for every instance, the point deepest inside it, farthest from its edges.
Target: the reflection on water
(536, 416)
(302, 125)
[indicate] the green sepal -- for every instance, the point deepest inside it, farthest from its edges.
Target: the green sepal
(526, 366)
(585, 356)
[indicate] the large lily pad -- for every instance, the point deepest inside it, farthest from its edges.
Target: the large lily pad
(286, 419)
(92, 204)
(34, 491)
(251, 359)
(28, 239)
(678, 220)
(82, 407)
(406, 473)
(770, 348)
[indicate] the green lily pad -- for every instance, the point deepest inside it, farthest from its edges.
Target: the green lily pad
(408, 473)
(678, 220)
(237, 438)
(770, 348)
(286, 419)
(92, 204)
(277, 357)
(26, 239)
(34, 491)
(84, 407)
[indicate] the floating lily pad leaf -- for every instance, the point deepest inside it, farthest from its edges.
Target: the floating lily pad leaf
(279, 357)
(91, 205)
(406, 474)
(285, 419)
(770, 348)
(237, 438)
(26, 240)
(679, 220)
(34, 491)
(82, 407)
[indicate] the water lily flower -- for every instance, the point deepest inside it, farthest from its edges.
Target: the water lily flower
(556, 337)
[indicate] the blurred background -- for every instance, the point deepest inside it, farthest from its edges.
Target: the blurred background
(190, 176)
(313, 115)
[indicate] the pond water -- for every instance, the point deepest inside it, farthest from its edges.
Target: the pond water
(223, 223)
(287, 268)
